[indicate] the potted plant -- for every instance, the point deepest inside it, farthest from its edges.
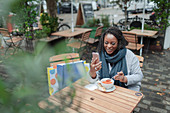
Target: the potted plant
(105, 21)
(50, 24)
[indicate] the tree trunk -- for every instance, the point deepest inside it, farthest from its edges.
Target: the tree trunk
(52, 8)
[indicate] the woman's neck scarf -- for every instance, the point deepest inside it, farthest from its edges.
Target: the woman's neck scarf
(119, 64)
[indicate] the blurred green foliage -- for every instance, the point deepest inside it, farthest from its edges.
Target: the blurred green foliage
(26, 84)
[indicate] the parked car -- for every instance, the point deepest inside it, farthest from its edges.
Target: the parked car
(150, 6)
(137, 6)
(65, 7)
(94, 4)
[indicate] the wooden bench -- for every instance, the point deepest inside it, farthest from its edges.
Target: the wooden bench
(63, 58)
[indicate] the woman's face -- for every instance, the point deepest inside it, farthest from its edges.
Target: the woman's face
(110, 43)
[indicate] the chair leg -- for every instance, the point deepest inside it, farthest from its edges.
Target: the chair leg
(6, 51)
(14, 49)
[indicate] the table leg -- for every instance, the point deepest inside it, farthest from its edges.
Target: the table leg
(141, 42)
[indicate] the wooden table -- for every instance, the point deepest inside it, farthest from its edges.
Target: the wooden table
(69, 33)
(120, 100)
(146, 33)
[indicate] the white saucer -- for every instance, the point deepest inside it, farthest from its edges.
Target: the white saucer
(106, 90)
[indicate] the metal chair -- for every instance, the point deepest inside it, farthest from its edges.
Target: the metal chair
(12, 41)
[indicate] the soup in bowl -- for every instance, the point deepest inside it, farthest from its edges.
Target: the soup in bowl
(107, 83)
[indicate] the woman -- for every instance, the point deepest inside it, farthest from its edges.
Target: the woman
(116, 61)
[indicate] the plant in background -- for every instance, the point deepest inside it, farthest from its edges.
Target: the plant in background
(162, 13)
(25, 16)
(92, 23)
(41, 33)
(105, 20)
(147, 27)
(49, 22)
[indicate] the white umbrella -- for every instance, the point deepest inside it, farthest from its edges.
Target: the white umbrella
(72, 21)
(142, 27)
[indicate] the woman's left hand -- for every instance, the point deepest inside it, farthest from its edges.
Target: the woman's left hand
(120, 76)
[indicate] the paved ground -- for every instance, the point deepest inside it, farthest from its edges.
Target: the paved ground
(156, 83)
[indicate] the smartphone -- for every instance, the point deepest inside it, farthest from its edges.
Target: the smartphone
(96, 55)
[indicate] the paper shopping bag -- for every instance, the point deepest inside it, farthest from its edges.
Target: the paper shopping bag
(52, 80)
(70, 72)
(87, 66)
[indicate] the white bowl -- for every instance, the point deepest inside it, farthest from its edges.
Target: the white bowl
(107, 86)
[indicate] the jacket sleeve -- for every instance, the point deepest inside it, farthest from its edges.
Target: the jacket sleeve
(91, 80)
(135, 74)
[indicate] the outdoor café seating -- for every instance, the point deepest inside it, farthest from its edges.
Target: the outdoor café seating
(10, 40)
(96, 38)
(81, 41)
(133, 41)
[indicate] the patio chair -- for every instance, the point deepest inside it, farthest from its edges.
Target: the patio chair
(133, 41)
(78, 44)
(10, 40)
(96, 37)
(58, 59)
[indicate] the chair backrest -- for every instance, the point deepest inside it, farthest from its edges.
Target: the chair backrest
(58, 59)
(130, 37)
(85, 36)
(99, 31)
(141, 60)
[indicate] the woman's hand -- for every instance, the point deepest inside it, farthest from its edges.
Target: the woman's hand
(95, 66)
(121, 77)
